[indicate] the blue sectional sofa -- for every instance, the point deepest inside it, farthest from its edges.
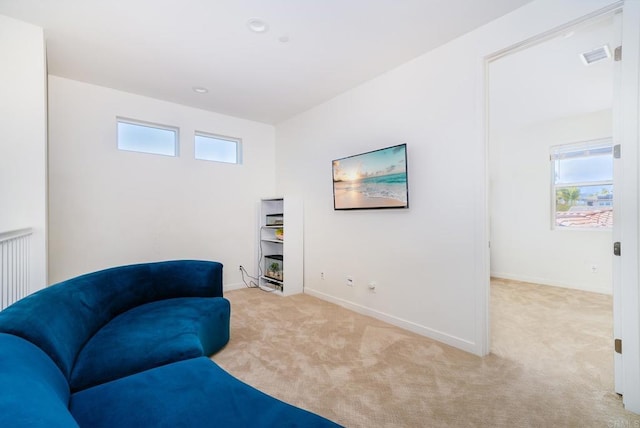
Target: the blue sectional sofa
(128, 347)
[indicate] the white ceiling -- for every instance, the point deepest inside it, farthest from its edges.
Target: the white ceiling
(163, 48)
(549, 80)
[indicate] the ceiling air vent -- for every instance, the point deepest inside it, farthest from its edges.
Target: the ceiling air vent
(598, 54)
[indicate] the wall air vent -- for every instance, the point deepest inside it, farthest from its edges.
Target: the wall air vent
(600, 53)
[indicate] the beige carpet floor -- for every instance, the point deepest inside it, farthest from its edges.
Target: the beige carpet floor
(550, 366)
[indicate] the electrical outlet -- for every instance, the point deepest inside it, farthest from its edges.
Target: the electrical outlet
(372, 286)
(322, 276)
(240, 268)
(350, 281)
(594, 268)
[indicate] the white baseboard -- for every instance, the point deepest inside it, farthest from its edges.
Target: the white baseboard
(448, 339)
(546, 281)
(235, 286)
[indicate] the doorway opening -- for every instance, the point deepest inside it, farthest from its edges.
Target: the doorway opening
(551, 300)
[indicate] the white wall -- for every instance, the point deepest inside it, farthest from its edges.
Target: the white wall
(523, 245)
(111, 207)
(430, 262)
(23, 144)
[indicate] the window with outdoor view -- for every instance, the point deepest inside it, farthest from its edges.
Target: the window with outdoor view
(145, 137)
(582, 185)
(218, 148)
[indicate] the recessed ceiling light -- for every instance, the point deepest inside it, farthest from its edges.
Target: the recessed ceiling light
(200, 89)
(257, 25)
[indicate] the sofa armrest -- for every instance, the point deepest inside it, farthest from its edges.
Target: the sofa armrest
(33, 391)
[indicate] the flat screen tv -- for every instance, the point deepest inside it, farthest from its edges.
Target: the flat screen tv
(372, 180)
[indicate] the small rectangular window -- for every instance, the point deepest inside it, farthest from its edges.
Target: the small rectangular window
(146, 137)
(217, 148)
(582, 185)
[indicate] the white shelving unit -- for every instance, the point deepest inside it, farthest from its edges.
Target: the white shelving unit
(280, 265)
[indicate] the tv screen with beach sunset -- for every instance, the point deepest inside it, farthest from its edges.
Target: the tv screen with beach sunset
(371, 180)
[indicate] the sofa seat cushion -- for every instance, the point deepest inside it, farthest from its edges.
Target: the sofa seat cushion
(192, 393)
(152, 335)
(33, 390)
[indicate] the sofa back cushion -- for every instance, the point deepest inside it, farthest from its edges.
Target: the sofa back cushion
(60, 319)
(33, 391)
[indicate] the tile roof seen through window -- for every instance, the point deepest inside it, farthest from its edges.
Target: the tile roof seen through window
(589, 219)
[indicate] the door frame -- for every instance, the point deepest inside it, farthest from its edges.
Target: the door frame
(629, 135)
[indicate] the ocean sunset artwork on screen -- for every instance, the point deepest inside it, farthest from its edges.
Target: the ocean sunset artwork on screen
(376, 179)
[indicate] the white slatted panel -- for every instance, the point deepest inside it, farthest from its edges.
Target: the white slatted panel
(15, 255)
